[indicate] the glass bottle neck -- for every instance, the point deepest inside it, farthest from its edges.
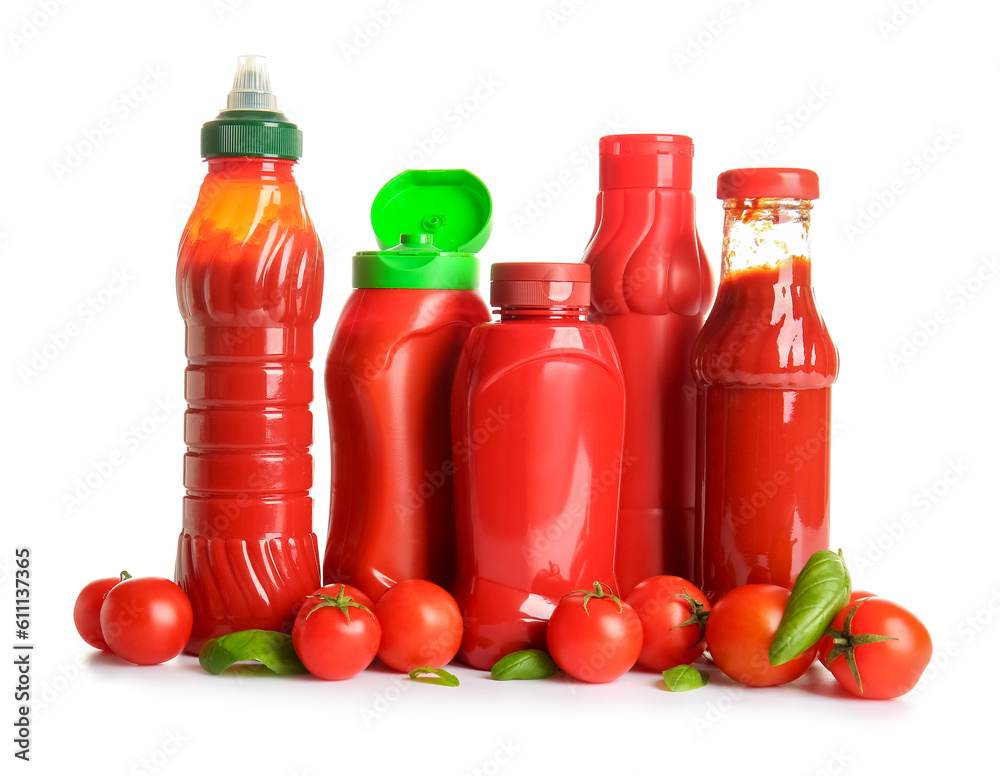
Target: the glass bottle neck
(767, 234)
(251, 168)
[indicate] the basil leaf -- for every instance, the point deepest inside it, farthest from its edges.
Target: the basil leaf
(821, 589)
(525, 664)
(271, 648)
(441, 676)
(683, 678)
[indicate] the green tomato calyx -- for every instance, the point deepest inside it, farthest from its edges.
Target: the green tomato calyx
(845, 642)
(599, 591)
(342, 602)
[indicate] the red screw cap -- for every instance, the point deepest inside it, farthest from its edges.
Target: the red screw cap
(777, 182)
(540, 284)
(646, 161)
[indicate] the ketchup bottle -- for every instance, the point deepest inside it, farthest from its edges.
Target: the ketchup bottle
(652, 287)
(249, 285)
(538, 412)
(765, 365)
(388, 382)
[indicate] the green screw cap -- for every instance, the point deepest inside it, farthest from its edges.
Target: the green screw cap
(434, 221)
(251, 124)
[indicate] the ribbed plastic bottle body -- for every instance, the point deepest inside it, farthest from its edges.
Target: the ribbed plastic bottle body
(537, 422)
(389, 373)
(765, 364)
(652, 287)
(249, 287)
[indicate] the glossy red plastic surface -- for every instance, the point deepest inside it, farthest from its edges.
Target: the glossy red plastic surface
(652, 287)
(537, 422)
(764, 363)
(388, 385)
(249, 286)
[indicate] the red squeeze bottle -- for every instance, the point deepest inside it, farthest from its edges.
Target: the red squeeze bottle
(765, 365)
(388, 382)
(249, 286)
(652, 287)
(538, 412)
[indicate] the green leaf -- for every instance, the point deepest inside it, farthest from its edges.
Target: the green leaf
(441, 676)
(525, 664)
(271, 648)
(821, 589)
(684, 677)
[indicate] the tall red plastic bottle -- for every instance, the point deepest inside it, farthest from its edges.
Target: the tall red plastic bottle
(652, 287)
(538, 413)
(249, 286)
(388, 382)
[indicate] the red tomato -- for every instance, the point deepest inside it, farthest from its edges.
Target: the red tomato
(335, 635)
(146, 620)
(87, 611)
(740, 632)
(885, 668)
(421, 625)
(673, 614)
(593, 635)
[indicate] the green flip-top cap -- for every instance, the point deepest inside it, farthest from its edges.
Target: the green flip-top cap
(435, 221)
(251, 124)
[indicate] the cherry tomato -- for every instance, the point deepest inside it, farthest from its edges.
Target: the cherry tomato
(87, 611)
(889, 646)
(421, 625)
(335, 635)
(593, 635)
(673, 614)
(146, 620)
(740, 631)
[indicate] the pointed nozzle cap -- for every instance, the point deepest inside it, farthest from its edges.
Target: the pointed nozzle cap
(251, 86)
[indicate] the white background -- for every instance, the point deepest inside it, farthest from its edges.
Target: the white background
(892, 103)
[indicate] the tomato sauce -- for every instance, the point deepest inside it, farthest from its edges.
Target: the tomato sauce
(249, 286)
(537, 423)
(765, 364)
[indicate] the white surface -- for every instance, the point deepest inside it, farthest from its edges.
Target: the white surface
(873, 85)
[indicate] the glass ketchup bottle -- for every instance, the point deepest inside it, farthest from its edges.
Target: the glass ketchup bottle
(388, 382)
(537, 421)
(249, 286)
(652, 287)
(764, 364)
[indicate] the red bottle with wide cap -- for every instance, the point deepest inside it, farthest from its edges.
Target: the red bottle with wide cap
(537, 423)
(765, 364)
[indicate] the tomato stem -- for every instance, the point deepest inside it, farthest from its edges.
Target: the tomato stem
(124, 575)
(845, 642)
(342, 602)
(699, 616)
(598, 592)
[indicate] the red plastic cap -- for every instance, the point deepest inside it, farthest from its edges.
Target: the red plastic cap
(646, 161)
(755, 182)
(540, 284)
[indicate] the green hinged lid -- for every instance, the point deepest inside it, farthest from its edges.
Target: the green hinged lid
(429, 224)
